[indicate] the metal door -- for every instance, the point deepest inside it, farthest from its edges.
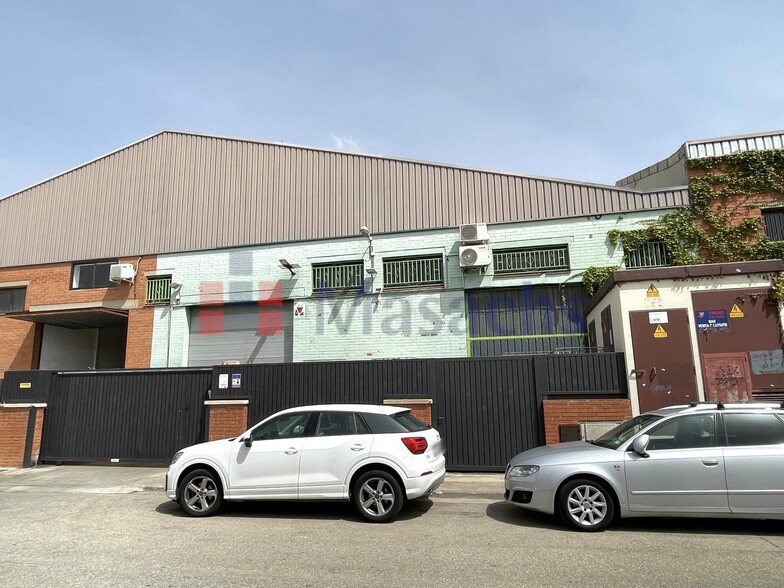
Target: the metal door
(663, 360)
(486, 411)
(727, 377)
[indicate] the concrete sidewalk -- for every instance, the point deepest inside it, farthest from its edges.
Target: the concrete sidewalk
(103, 479)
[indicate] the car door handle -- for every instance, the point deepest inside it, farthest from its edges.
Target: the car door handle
(291, 451)
(357, 447)
(710, 462)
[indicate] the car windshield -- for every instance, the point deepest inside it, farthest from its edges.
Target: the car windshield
(613, 438)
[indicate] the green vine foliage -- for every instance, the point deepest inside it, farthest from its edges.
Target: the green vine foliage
(594, 277)
(716, 227)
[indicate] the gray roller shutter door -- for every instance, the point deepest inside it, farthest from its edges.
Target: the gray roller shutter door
(234, 335)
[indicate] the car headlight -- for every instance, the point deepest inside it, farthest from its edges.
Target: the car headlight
(523, 470)
(177, 456)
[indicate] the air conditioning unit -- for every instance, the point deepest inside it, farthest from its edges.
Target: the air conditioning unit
(595, 429)
(476, 233)
(475, 256)
(121, 272)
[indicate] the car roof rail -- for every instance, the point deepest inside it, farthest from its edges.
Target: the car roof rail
(719, 405)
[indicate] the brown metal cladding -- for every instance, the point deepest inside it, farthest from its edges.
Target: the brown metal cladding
(181, 192)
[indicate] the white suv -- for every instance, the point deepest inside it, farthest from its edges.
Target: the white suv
(375, 456)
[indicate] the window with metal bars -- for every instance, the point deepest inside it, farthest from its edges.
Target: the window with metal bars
(158, 290)
(651, 254)
(531, 259)
(411, 272)
(338, 277)
(774, 223)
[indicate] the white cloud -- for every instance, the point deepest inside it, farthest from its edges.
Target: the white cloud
(346, 143)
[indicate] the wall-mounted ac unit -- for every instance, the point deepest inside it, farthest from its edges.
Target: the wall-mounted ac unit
(121, 272)
(475, 256)
(476, 233)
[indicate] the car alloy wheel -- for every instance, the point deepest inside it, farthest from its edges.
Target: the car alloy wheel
(200, 494)
(586, 505)
(377, 497)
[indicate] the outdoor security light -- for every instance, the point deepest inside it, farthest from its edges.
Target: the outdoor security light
(289, 266)
(365, 232)
(371, 271)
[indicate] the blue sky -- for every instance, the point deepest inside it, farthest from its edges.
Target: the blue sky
(584, 90)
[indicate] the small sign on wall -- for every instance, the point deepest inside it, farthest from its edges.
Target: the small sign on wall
(658, 318)
(223, 381)
(712, 321)
(660, 333)
(236, 380)
(25, 385)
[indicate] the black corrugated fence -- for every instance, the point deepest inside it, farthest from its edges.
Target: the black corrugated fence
(487, 409)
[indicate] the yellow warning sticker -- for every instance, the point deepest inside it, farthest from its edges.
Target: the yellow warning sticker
(24, 385)
(736, 312)
(660, 333)
(652, 292)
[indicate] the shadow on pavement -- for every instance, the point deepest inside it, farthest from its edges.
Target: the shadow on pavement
(298, 510)
(513, 515)
(503, 512)
(700, 526)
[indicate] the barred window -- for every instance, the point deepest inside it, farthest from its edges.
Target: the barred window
(412, 272)
(158, 290)
(338, 277)
(774, 223)
(531, 259)
(651, 254)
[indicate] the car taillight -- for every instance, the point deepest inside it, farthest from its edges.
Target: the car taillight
(416, 445)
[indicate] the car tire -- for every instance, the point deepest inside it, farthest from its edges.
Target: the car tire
(586, 505)
(200, 494)
(377, 496)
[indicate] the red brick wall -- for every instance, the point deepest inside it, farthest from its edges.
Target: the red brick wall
(50, 284)
(227, 420)
(13, 435)
(559, 412)
(139, 345)
(421, 409)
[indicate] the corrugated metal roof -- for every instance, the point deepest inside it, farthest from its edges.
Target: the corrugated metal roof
(736, 144)
(180, 192)
(672, 171)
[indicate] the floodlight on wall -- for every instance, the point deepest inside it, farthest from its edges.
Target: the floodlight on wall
(365, 232)
(289, 266)
(371, 271)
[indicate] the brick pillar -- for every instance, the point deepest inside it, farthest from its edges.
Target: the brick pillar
(421, 408)
(226, 418)
(562, 412)
(21, 426)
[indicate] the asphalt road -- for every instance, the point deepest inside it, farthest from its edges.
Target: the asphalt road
(109, 527)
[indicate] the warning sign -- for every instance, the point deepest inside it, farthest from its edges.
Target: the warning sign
(660, 333)
(652, 292)
(736, 312)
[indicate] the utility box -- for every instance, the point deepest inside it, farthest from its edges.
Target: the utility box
(590, 430)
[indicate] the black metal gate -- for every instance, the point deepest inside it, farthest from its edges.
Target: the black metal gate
(143, 416)
(486, 410)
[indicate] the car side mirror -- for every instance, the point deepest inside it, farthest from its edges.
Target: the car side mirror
(248, 441)
(640, 445)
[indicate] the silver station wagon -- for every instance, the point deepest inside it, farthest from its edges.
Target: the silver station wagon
(700, 460)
